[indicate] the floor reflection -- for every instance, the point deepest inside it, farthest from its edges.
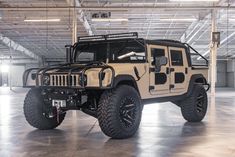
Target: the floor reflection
(4, 115)
(163, 132)
(211, 112)
(164, 135)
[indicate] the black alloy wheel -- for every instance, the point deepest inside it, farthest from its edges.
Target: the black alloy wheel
(128, 111)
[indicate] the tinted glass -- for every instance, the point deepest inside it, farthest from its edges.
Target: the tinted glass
(126, 51)
(91, 52)
(156, 52)
(120, 51)
(176, 58)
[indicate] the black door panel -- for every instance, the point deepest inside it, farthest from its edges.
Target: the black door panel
(179, 77)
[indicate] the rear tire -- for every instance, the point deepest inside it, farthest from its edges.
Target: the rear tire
(35, 114)
(194, 107)
(119, 112)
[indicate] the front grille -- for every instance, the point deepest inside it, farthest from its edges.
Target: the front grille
(63, 80)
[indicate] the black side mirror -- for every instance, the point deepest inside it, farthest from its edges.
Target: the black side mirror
(69, 49)
(160, 61)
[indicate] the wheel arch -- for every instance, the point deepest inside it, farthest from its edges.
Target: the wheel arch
(196, 79)
(125, 80)
(200, 80)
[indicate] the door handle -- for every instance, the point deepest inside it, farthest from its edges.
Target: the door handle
(172, 69)
(151, 69)
(172, 86)
(186, 70)
(169, 70)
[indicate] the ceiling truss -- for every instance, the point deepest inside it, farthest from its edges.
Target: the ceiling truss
(47, 40)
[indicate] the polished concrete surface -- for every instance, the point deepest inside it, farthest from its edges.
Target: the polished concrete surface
(162, 133)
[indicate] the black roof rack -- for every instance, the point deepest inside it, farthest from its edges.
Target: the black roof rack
(169, 40)
(166, 42)
(108, 37)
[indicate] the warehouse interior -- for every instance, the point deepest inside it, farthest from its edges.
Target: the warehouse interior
(34, 33)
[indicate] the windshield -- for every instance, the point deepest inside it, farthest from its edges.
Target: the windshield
(119, 51)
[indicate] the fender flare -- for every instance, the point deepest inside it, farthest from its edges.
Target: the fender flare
(125, 78)
(193, 80)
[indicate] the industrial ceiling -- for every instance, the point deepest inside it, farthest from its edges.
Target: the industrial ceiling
(26, 40)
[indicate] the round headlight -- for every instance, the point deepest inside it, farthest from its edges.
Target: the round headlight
(46, 80)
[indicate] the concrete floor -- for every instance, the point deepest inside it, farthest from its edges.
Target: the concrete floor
(163, 132)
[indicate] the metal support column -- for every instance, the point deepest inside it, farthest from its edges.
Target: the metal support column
(10, 67)
(213, 53)
(74, 32)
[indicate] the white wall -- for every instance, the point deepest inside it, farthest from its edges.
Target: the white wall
(16, 73)
(231, 73)
(221, 74)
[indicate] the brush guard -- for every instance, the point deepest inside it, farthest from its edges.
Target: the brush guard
(37, 75)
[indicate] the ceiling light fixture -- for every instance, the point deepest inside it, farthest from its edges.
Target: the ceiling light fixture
(107, 20)
(42, 20)
(194, 0)
(178, 19)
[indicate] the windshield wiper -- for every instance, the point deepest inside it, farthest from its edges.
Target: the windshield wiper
(127, 55)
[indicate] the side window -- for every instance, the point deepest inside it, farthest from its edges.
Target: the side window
(176, 58)
(156, 52)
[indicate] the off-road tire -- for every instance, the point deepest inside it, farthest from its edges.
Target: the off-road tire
(194, 107)
(33, 111)
(111, 112)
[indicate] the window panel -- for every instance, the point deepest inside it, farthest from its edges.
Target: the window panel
(156, 52)
(176, 58)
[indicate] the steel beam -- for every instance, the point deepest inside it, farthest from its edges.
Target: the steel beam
(75, 28)
(80, 16)
(221, 44)
(198, 30)
(117, 8)
(17, 47)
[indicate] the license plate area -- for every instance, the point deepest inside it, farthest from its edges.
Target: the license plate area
(59, 103)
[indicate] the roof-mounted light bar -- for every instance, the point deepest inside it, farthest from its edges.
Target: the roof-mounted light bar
(108, 37)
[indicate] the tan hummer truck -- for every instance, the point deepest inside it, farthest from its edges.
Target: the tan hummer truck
(111, 77)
